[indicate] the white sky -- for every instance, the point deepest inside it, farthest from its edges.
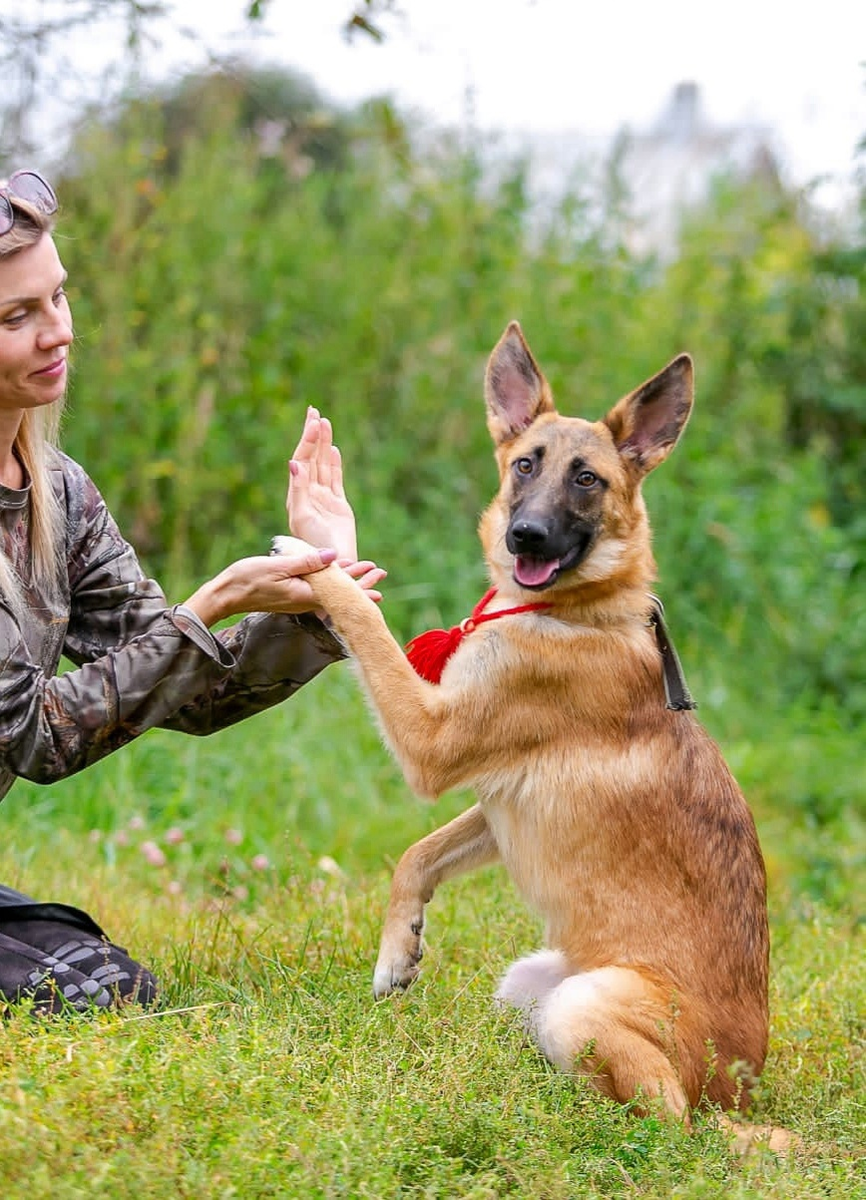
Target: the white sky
(557, 65)
(566, 65)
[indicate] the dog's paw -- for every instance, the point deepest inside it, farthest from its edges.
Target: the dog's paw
(747, 1139)
(395, 971)
(291, 546)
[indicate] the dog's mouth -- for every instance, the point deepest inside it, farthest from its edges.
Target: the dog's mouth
(535, 572)
(538, 573)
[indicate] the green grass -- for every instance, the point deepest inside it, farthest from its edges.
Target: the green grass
(269, 1071)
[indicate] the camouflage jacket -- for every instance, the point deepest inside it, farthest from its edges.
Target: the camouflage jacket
(139, 663)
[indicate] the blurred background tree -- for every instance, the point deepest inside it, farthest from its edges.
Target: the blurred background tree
(34, 55)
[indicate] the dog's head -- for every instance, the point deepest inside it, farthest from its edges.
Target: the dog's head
(569, 510)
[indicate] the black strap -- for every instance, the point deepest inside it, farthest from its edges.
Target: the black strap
(677, 692)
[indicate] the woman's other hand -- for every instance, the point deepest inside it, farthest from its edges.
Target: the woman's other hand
(316, 503)
(273, 583)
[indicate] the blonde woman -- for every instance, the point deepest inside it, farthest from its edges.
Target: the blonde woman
(70, 584)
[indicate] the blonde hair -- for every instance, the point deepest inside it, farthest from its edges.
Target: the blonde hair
(34, 444)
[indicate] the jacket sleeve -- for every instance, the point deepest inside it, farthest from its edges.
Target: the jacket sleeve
(139, 663)
(272, 655)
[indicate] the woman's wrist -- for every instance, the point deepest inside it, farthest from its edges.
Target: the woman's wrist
(212, 601)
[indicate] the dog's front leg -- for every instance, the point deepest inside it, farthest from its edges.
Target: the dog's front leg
(460, 846)
(427, 727)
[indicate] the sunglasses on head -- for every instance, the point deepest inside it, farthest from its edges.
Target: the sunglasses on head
(27, 186)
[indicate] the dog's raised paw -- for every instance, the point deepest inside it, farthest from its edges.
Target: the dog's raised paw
(291, 546)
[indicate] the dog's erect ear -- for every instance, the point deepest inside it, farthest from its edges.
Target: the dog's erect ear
(514, 389)
(646, 425)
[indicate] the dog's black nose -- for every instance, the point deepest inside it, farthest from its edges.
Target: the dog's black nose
(528, 536)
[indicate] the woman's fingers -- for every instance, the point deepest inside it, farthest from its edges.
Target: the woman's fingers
(337, 473)
(317, 457)
(359, 570)
(307, 446)
(324, 447)
(367, 575)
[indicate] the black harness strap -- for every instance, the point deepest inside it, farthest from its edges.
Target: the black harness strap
(677, 692)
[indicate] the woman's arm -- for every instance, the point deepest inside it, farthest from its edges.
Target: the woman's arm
(248, 667)
(140, 663)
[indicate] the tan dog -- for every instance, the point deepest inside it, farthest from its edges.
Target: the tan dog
(615, 816)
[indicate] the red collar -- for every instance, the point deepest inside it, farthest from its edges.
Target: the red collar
(429, 652)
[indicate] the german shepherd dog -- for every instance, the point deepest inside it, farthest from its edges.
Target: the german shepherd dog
(615, 815)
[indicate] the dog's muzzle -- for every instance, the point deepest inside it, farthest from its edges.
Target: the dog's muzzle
(542, 552)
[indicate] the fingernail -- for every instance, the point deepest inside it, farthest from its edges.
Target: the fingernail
(327, 556)
(293, 467)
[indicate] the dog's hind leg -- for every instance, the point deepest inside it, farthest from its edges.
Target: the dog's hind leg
(617, 1028)
(460, 846)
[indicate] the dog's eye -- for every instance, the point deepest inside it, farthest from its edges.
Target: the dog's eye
(524, 466)
(587, 479)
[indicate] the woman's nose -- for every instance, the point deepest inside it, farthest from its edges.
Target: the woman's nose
(56, 331)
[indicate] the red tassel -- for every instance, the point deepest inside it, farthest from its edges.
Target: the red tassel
(429, 652)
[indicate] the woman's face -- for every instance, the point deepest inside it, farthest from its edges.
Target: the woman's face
(35, 327)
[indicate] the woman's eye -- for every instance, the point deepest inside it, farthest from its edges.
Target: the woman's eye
(586, 479)
(523, 466)
(15, 319)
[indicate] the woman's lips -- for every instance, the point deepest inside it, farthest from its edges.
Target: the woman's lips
(52, 370)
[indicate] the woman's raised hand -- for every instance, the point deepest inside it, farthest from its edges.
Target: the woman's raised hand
(316, 503)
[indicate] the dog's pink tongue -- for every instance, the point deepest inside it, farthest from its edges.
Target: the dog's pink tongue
(532, 572)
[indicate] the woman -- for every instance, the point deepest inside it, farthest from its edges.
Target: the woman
(71, 585)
